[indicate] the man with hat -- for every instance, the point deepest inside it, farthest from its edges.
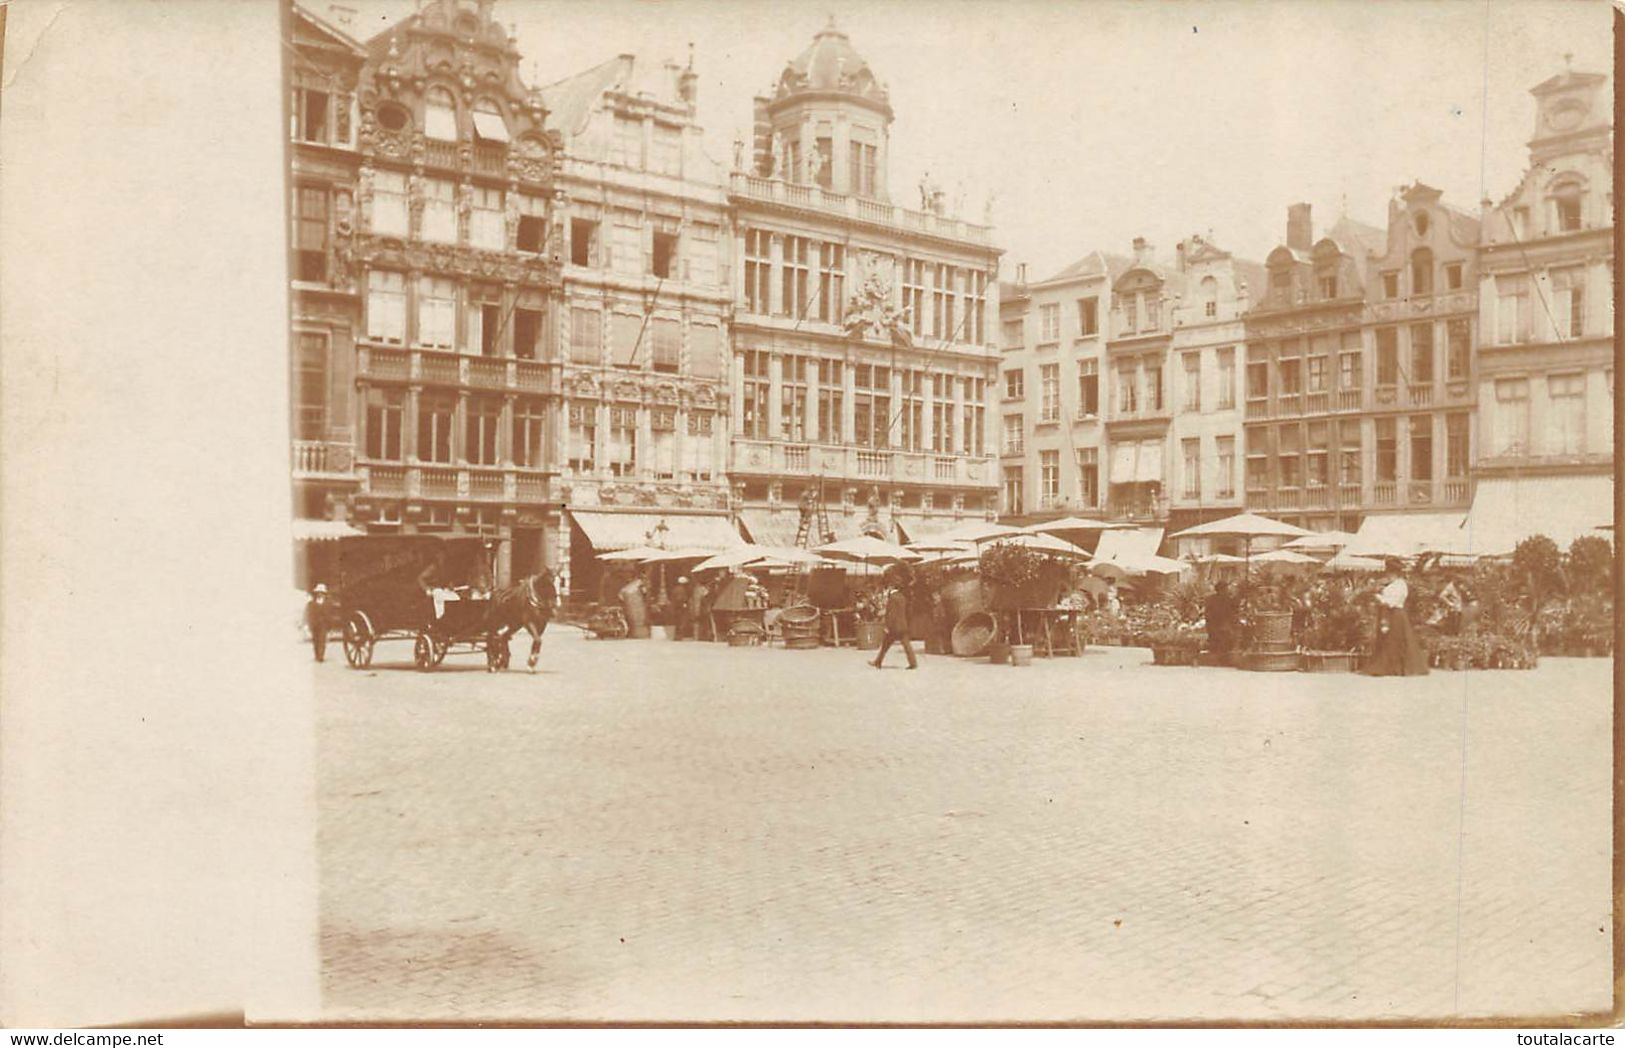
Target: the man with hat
(896, 620)
(679, 598)
(319, 619)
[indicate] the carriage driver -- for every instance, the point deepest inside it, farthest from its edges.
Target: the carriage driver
(438, 593)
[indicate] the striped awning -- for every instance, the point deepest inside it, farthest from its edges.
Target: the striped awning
(1406, 535)
(322, 530)
(612, 531)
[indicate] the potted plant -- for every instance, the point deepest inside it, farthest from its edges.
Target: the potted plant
(871, 616)
(1331, 641)
(1179, 645)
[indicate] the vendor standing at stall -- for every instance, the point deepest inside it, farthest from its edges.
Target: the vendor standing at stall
(681, 613)
(1397, 652)
(1220, 612)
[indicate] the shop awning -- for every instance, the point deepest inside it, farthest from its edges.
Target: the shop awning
(767, 527)
(1407, 534)
(1129, 544)
(490, 127)
(1507, 510)
(323, 530)
(612, 531)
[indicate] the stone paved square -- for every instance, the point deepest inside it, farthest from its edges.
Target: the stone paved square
(656, 831)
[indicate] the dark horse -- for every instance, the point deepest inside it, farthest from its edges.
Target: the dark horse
(527, 604)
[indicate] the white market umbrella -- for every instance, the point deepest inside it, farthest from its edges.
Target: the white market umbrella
(1043, 544)
(1321, 540)
(1243, 526)
(1350, 562)
(972, 531)
(793, 555)
(1285, 556)
(679, 554)
(1076, 524)
(868, 550)
(1142, 564)
(935, 545)
(1217, 558)
(734, 558)
(638, 553)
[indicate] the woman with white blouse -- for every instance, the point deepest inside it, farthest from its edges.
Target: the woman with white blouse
(1397, 652)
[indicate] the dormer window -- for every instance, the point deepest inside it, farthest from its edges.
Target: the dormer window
(488, 123)
(1421, 271)
(1328, 285)
(440, 115)
(1567, 200)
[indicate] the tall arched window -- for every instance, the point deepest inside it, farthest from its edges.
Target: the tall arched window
(1421, 271)
(440, 115)
(488, 122)
(1210, 297)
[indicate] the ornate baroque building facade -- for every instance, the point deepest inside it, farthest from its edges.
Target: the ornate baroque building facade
(644, 415)
(862, 360)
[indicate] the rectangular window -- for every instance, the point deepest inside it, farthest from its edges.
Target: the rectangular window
(386, 306)
(623, 441)
(1458, 348)
(1452, 276)
(310, 233)
(1049, 478)
(1387, 356)
(437, 312)
(830, 397)
(1258, 380)
(1013, 503)
(1049, 322)
(389, 210)
(663, 437)
(484, 328)
(1328, 285)
(488, 220)
(1566, 209)
(700, 448)
(626, 149)
(1226, 467)
(1511, 309)
(385, 412)
(1288, 445)
(626, 334)
(1015, 383)
(667, 148)
(1316, 474)
(794, 301)
(973, 392)
(666, 343)
(1387, 449)
(1455, 445)
(1128, 390)
(1089, 316)
(944, 303)
(482, 418)
(1013, 333)
(626, 246)
(863, 160)
(528, 430)
(754, 410)
(1227, 379)
(663, 257)
(1353, 447)
(439, 211)
(1348, 370)
(914, 294)
(583, 242)
(704, 351)
(1390, 284)
(311, 115)
(871, 406)
(1193, 381)
(1291, 373)
(831, 283)
(824, 151)
(700, 252)
(973, 328)
(1421, 355)
(1049, 379)
(1014, 436)
(758, 270)
(912, 409)
(793, 397)
(531, 234)
(583, 449)
(1569, 300)
(310, 387)
(435, 414)
(1566, 414)
(1191, 474)
(1512, 416)
(1421, 447)
(1088, 388)
(527, 333)
(1088, 477)
(586, 336)
(1317, 374)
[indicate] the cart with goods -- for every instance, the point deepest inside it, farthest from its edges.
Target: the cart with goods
(429, 590)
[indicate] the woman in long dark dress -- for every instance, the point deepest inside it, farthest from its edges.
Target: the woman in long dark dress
(1398, 652)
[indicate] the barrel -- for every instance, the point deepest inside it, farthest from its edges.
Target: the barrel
(799, 626)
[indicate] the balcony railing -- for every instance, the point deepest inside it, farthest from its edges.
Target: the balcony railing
(1348, 400)
(1316, 496)
(795, 457)
(1287, 498)
(483, 484)
(944, 469)
(488, 372)
(1421, 396)
(1258, 408)
(530, 375)
(1385, 493)
(1317, 403)
(386, 480)
(816, 198)
(1453, 492)
(873, 464)
(1348, 494)
(437, 153)
(386, 363)
(491, 159)
(437, 483)
(442, 367)
(1288, 404)
(321, 457)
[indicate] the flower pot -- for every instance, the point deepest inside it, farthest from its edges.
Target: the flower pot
(1272, 627)
(998, 652)
(1021, 654)
(869, 636)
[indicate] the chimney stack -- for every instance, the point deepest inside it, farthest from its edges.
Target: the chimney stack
(762, 148)
(688, 84)
(1300, 231)
(1021, 274)
(1142, 251)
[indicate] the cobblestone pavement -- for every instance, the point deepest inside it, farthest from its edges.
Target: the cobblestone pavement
(658, 831)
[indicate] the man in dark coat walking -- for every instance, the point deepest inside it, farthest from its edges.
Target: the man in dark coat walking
(1221, 619)
(896, 624)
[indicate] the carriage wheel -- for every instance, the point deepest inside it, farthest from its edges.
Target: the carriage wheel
(440, 648)
(423, 652)
(358, 641)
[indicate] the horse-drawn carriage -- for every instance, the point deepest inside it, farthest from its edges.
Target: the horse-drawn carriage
(438, 593)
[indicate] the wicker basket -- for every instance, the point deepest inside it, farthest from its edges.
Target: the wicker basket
(972, 634)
